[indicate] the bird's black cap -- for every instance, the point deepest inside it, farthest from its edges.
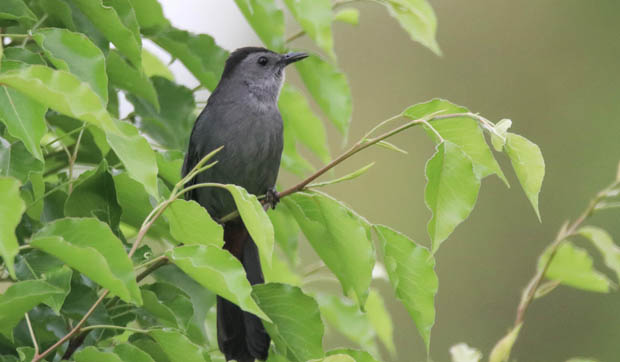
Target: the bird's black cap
(238, 55)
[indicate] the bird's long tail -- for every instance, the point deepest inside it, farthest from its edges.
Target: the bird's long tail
(241, 335)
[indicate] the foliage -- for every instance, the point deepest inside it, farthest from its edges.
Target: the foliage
(92, 204)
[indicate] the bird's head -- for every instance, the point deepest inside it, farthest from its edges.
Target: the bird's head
(259, 68)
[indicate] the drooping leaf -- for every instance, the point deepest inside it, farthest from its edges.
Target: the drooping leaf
(117, 21)
(23, 55)
(172, 125)
(199, 53)
(128, 78)
(190, 223)
(21, 297)
(358, 356)
(59, 277)
(153, 66)
(308, 128)
(94, 195)
(177, 347)
(329, 226)
(464, 132)
(286, 231)
(292, 161)
(169, 164)
(92, 354)
(137, 156)
(347, 319)
(501, 351)
(219, 271)
(329, 87)
(11, 209)
(24, 119)
(169, 303)
(16, 161)
(32, 193)
(266, 19)
(165, 315)
(380, 320)
(451, 190)
(14, 12)
(411, 269)
(315, 18)
(296, 322)
(529, 165)
(89, 246)
(418, 19)
(75, 53)
(255, 220)
(150, 16)
(572, 266)
(59, 13)
(605, 245)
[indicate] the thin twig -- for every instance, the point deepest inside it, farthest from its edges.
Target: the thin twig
(73, 159)
(34, 338)
(108, 326)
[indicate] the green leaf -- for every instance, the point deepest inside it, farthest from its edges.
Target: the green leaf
(291, 159)
(136, 205)
(199, 53)
(348, 15)
(391, 146)
(529, 165)
(11, 209)
(177, 347)
(329, 226)
(137, 156)
(266, 19)
(16, 161)
(286, 231)
(329, 87)
(411, 269)
(572, 266)
(129, 352)
(128, 78)
(498, 136)
(169, 165)
(169, 303)
(296, 325)
(150, 16)
(298, 115)
(451, 190)
(219, 271)
(16, 11)
(191, 224)
(605, 245)
(172, 125)
(358, 356)
(89, 246)
(61, 278)
(94, 195)
(92, 354)
(24, 119)
(153, 66)
(59, 13)
(159, 310)
(336, 358)
(33, 193)
(255, 220)
(23, 55)
(75, 53)
(21, 297)
(315, 18)
(346, 318)
(464, 132)
(418, 19)
(380, 320)
(117, 21)
(501, 351)
(350, 176)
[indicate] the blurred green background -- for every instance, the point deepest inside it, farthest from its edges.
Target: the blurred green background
(553, 67)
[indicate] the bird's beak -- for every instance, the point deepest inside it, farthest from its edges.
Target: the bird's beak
(293, 57)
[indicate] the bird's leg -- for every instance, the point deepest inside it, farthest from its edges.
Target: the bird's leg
(272, 197)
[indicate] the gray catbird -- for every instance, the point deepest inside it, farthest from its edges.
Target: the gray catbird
(242, 115)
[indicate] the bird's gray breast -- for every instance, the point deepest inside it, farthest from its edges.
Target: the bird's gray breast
(252, 140)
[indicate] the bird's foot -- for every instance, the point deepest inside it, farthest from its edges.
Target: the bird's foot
(272, 197)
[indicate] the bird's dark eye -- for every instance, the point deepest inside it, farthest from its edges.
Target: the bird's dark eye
(263, 61)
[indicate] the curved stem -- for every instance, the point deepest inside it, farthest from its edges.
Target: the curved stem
(109, 326)
(31, 331)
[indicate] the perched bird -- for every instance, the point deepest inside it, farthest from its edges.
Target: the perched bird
(242, 115)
